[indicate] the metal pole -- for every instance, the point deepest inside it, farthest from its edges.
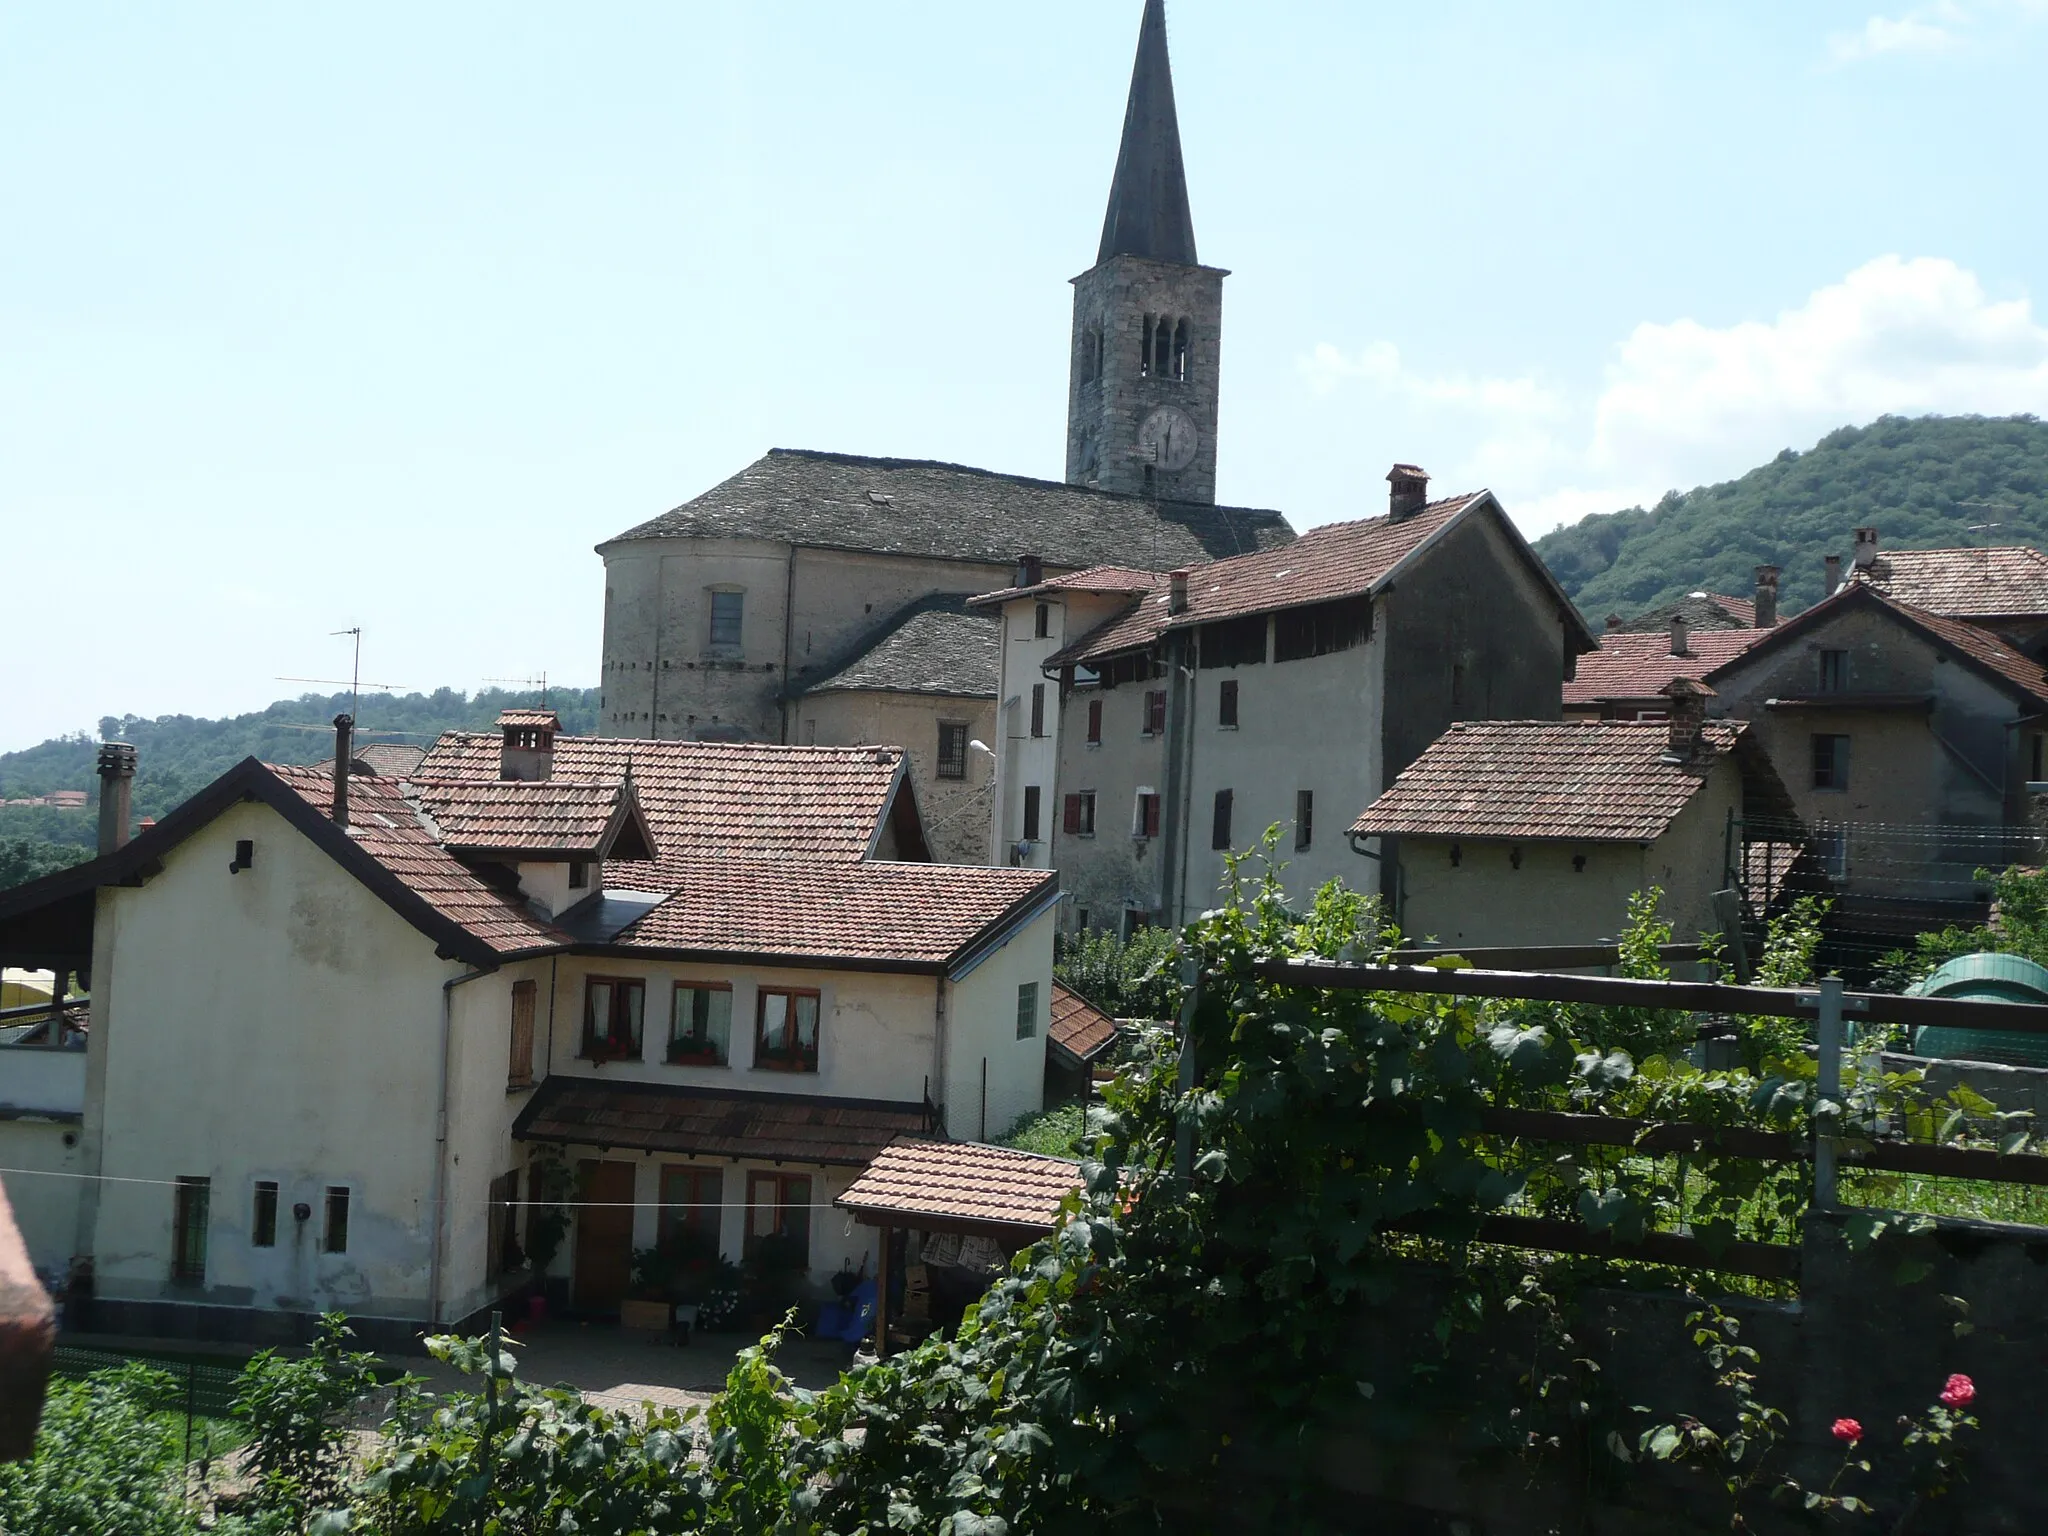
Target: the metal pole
(191, 1397)
(1828, 1037)
(1184, 1140)
(491, 1408)
(882, 1297)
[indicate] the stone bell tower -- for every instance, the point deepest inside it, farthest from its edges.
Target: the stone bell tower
(1148, 317)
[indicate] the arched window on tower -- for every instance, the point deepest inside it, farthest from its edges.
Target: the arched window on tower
(1091, 354)
(1162, 348)
(1180, 352)
(1098, 352)
(1145, 349)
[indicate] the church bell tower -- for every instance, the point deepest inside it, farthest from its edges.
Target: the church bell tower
(1148, 317)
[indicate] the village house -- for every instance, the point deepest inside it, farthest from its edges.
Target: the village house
(1626, 678)
(1151, 727)
(2003, 588)
(716, 978)
(1528, 832)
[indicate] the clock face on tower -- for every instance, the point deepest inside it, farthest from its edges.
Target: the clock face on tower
(1169, 438)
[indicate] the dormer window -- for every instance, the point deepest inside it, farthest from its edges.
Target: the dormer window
(579, 875)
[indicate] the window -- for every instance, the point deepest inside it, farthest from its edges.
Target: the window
(579, 874)
(952, 749)
(1232, 643)
(1078, 818)
(1219, 826)
(1180, 352)
(700, 1024)
(502, 1252)
(1155, 712)
(1834, 671)
(1834, 854)
(1095, 723)
(1226, 704)
(190, 1203)
(1041, 622)
(1830, 762)
(263, 1215)
(1031, 797)
(1322, 628)
(786, 1030)
(691, 1201)
(1304, 818)
(779, 1211)
(519, 1071)
(1145, 815)
(726, 611)
(1027, 1010)
(611, 1017)
(1038, 709)
(334, 1235)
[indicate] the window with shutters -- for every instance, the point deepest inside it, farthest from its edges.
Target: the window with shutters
(1095, 722)
(952, 749)
(1145, 815)
(1226, 704)
(1155, 712)
(1078, 814)
(1219, 825)
(519, 1071)
(1031, 798)
(1038, 709)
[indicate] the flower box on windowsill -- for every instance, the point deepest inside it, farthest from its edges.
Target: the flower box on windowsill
(786, 1063)
(694, 1056)
(598, 1052)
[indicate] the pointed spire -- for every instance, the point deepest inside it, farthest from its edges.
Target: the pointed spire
(1148, 202)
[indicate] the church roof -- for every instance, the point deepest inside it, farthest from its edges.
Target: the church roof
(933, 646)
(950, 512)
(1148, 201)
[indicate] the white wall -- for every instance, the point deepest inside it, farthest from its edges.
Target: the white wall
(981, 1026)
(42, 1079)
(44, 1199)
(1023, 759)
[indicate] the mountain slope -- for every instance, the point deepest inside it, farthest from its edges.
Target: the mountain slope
(1922, 482)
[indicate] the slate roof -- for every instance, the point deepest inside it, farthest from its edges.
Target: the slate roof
(1148, 199)
(2008, 581)
(961, 1183)
(704, 1122)
(1701, 611)
(934, 646)
(1573, 780)
(539, 815)
(1637, 667)
(1078, 1027)
(1096, 578)
(951, 512)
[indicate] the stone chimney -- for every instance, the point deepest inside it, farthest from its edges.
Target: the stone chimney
(1866, 548)
(344, 754)
(1614, 623)
(117, 784)
(1030, 570)
(528, 749)
(1832, 581)
(1766, 596)
(1688, 717)
(1679, 647)
(1409, 490)
(1177, 591)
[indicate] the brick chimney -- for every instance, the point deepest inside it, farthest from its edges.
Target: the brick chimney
(1688, 717)
(1030, 570)
(117, 784)
(528, 749)
(344, 753)
(1766, 596)
(1678, 636)
(1866, 548)
(1409, 490)
(1832, 565)
(1177, 591)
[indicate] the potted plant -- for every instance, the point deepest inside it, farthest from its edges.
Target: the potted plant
(551, 1186)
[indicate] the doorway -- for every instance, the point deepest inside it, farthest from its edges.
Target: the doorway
(604, 1234)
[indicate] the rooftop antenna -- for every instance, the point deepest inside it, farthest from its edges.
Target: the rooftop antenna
(355, 678)
(540, 682)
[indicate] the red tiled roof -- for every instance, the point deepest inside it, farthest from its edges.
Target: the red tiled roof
(667, 1117)
(1576, 780)
(1985, 648)
(546, 719)
(386, 827)
(1639, 666)
(538, 815)
(1739, 608)
(922, 914)
(964, 1182)
(1334, 561)
(2007, 581)
(1078, 1026)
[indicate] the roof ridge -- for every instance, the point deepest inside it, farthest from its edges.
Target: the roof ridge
(889, 461)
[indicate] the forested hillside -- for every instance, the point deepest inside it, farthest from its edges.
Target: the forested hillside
(177, 754)
(1922, 482)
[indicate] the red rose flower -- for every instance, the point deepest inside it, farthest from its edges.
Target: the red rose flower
(1848, 1431)
(1959, 1391)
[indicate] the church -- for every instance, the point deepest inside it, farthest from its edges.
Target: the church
(819, 598)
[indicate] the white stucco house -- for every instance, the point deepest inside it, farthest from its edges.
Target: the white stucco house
(332, 1019)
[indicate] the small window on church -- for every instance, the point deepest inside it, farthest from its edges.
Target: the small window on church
(726, 611)
(1098, 353)
(1091, 355)
(1180, 352)
(1145, 349)
(1162, 349)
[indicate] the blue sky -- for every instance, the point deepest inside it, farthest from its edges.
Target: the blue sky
(386, 315)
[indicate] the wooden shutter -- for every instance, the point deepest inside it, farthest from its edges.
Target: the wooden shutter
(1038, 709)
(520, 1069)
(1071, 815)
(1219, 831)
(1095, 724)
(1151, 805)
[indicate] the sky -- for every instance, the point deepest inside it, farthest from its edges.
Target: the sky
(385, 316)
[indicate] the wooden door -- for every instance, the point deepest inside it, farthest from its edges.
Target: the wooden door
(604, 1234)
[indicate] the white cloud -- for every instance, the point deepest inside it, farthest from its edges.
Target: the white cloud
(1683, 403)
(1931, 30)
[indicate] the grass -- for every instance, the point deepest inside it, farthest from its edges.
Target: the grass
(1975, 1198)
(1056, 1133)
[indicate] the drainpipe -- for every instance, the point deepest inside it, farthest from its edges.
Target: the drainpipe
(441, 1144)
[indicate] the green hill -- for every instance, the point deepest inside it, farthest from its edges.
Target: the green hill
(1922, 482)
(178, 754)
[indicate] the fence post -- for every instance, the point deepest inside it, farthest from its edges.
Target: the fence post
(1828, 1038)
(491, 1411)
(1184, 1137)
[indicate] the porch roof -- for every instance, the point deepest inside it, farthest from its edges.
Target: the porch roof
(709, 1122)
(961, 1186)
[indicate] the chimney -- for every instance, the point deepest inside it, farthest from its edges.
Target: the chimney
(1766, 596)
(117, 783)
(1030, 570)
(528, 750)
(1688, 715)
(1614, 623)
(344, 753)
(1409, 492)
(1866, 548)
(1177, 592)
(1833, 579)
(1678, 645)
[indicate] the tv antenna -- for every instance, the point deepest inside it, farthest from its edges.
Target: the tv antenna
(540, 682)
(354, 680)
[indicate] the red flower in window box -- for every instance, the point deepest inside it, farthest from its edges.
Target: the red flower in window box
(690, 1055)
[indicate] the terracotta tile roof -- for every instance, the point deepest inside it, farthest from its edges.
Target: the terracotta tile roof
(924, 915)
(546, 719)
(744, 799)
(1078, 1027)
(387, 828)
(1334, 561)
(934, 646)
(2004, 582)
(664, 1117)
(1985, 648)
(1096, 578)
(1637, 667)
(1575, 780)
(542, 815)
(386, 759)
(962, 1182)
